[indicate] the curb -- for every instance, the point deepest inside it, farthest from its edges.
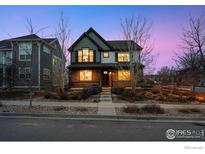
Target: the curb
(99, 117)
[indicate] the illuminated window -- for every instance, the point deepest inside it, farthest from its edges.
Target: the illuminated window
(85, 75)
(85, 55)
(105, 54)
(123, 75)
(123, 57)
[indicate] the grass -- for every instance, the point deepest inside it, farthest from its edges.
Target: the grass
(81, 109)
(190, 110)
(131, 109)
(60, 108)
(153, 109)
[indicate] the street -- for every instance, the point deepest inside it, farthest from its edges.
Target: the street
(54, 129)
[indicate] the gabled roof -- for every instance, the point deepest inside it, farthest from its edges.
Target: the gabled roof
(31, 36)
(124, 45)
(92, 30)
(5, 44)
(114, 45)
(49, 40)
(81, 37)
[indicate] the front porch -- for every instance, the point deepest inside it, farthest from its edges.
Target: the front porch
(104, 77)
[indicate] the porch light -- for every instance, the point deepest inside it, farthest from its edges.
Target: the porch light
(105, 72)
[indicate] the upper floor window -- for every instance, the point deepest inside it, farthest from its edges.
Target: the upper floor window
(24, 72)
(105, 54)
(46, 74)
(46, 49)
(25, 50)
(6, 57)
(85, 55)
(123, 57)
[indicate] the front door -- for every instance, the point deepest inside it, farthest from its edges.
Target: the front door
(105, 78)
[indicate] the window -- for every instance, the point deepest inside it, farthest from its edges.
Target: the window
(85, 75)
(85, 55)
(54, 61)
(46, 74)
(24, 72)
(6, 57)
(123, 75)
(123, 57)
(25, 50)
(105, 54)
(46, 49)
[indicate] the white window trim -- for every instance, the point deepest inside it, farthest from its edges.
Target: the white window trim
(19, 73)
(47, 48)
(31, 52)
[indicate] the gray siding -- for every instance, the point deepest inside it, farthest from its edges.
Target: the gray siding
(46, 62)
(110, 59)
(33, 63)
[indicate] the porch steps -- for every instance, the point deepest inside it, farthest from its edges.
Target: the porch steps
(105, 95)
(105, 106)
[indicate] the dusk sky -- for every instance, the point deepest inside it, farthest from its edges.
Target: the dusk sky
(168, 22)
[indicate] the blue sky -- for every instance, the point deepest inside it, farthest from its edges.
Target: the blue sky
(168, 22)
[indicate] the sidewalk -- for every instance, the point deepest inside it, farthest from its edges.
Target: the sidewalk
(93, 104)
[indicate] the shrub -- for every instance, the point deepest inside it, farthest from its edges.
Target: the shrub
(50, 95)
(60, 108)
(128, 93)
(63, 96)
(188, 111)
(131, 109)
(92, 90)
(153, 109)
(117, 90)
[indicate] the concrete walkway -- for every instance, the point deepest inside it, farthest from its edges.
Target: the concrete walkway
(106, 106)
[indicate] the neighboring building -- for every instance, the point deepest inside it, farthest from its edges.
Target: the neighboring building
(31, 61)
(106, 63)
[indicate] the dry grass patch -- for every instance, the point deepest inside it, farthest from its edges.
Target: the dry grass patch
(190, 110)
(131, 109)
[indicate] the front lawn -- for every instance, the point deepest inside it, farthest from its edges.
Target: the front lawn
(58, 109)
(158, 94)
(156, 110)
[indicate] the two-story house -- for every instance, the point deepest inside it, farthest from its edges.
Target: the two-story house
(106, 63)
(31, 61)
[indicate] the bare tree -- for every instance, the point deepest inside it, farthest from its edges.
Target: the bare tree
(63, 34)
(192, 46)
(31, 28)
(193, 41)
(138, 29)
